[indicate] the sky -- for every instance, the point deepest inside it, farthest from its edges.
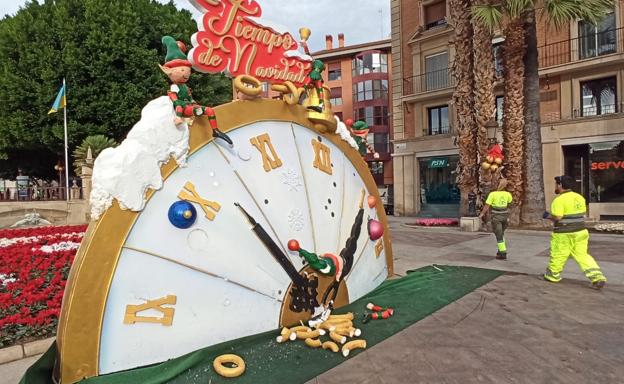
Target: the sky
(360, 21)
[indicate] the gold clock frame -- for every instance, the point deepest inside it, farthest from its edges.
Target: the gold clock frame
(91, 275)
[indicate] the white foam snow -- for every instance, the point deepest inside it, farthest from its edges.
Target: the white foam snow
(298, 54)
(127, 171)
(343, 131)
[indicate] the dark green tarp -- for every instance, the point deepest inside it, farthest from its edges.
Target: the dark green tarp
(413, 297)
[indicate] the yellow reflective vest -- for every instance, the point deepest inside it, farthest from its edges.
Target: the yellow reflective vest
(571, 207)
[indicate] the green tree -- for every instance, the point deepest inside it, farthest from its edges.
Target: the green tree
(108, 51)
(558, 13)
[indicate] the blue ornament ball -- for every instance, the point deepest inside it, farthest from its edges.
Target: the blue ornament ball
(182, 214)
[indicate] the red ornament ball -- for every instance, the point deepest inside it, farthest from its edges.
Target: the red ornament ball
(372, 201)
(293, 245)
(349, 122)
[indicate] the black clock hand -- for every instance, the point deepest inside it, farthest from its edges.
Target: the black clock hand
(275, 250)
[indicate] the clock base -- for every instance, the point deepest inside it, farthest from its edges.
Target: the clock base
(288, 317)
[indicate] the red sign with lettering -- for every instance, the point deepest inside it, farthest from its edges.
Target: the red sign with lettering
(603, 165)
(231, 38)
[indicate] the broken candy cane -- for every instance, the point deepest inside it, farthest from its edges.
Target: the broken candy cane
(337, 338)
(286, 334)
(331, 346)
(346, 316)
(314, 343)
(310, 334)
(351, 345)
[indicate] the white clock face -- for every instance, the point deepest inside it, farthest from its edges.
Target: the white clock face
(177, 290)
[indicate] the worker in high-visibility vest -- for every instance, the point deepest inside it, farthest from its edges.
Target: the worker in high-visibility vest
(570, 237)
(498, 202)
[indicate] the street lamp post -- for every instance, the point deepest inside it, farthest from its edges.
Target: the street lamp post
(492, 128)
(60, 168)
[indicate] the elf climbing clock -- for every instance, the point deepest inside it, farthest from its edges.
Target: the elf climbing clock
(213, 227)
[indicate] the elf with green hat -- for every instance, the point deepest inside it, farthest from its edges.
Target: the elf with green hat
(314, 79)
(327, 264)
(178, 69)
(359, 131)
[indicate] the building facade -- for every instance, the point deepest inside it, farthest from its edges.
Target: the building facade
(581, 107)
(359, 79)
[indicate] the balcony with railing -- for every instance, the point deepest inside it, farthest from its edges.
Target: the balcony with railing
(596, 110)
(39, 193)
(584, 47)
(428, 82)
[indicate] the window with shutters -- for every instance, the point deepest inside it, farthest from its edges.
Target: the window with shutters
(371, 62)
(435, 14)
(437, 74)
(499, 110)
(599, 97)
(597, 39)
(334, 71)
(336, 96)
(438, 120)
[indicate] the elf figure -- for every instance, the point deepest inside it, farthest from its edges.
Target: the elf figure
(315, 80)
(359, 131)
(178, 69)
(327, 264)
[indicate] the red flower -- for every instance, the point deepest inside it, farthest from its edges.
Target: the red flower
(32, 279)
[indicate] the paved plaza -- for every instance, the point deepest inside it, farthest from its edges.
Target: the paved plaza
(516, 329)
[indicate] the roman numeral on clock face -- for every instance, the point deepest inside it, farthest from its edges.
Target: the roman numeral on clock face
(132, 317)
(270, 159)
(322, 157)
(379, 247)
(189, 193)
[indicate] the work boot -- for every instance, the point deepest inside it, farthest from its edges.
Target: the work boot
(220, 135)
(316, 108)
(543, 277)
(501, 255)
(598, 285)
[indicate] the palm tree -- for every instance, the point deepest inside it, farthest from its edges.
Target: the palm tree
(463, 99)
(97, 143)
(484, 98)
(558, 13)
(513, 112)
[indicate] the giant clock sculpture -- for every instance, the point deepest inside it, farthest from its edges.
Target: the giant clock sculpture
(207, 259)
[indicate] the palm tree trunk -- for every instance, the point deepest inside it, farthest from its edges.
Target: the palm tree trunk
(534, 203)
(484, 99)
(513, 114)
(463, 100)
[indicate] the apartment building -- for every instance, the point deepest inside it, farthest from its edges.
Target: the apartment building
(581, 102)
(359, 79)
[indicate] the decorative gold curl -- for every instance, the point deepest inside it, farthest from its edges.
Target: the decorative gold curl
(290, 93)
(248, 85)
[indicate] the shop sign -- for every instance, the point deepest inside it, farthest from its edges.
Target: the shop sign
(438, 163)
(230, 38)
(604, 165)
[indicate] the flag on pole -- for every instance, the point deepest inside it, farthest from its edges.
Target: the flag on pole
(60, 101)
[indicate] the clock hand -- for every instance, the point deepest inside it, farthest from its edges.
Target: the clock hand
(275, 250)
(348, 252)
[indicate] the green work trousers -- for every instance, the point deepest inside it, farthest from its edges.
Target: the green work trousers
(562, 245)
(499, 225)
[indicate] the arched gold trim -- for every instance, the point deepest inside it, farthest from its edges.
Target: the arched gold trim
(91, 276)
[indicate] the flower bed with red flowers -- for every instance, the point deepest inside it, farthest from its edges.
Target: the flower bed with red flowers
(436, 222)
(34, 265)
